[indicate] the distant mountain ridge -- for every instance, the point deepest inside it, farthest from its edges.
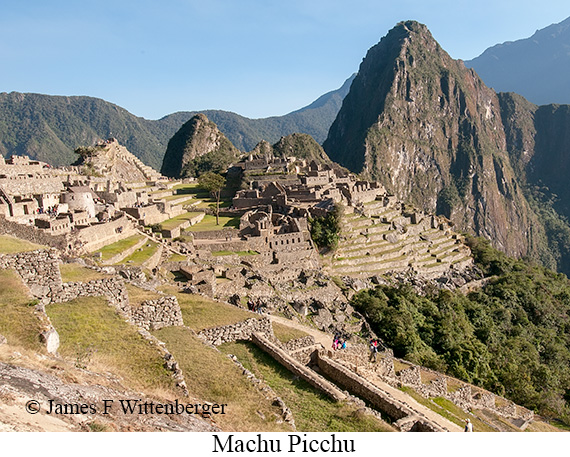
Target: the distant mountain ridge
(49, 128)
(537, 68)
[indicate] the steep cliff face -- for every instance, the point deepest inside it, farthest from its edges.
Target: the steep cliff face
(197, 147)
(431, 132)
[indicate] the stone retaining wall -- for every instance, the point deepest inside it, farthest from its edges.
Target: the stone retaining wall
(155, 314)
(150, 314)
(39, 270)
(242, 330)
(30, 233)
(466, 396)
(298, 368)
(392, 407)
(227, 234)
(299, 343)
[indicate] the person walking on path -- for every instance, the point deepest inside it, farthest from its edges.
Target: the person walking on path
(468, 426)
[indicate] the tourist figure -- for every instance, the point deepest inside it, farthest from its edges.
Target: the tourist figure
(373, 350)
(468, 426)
(336, 344)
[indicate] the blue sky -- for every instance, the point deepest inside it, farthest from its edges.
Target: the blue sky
(257, 58)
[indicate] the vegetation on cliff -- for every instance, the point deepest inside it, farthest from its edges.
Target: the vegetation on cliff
(512, 336)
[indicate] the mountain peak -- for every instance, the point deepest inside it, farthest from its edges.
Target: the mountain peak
(197, 138)
(430, 131)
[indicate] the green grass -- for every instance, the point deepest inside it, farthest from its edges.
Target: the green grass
(178, 220)
(111, 250)
(449, 410)
(285, 333)
(73, 272)
(199, 312)
(212, 376)
(312, 410)
(93, 334)
(240, 253)
(188, 188)
(138, 295)
(177, 258)
(18, 323)
(11, 245)
(142, 254)
(211, 203)
(209, 223)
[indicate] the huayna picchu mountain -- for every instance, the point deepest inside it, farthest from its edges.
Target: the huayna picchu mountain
(432, 133)
(197, 147)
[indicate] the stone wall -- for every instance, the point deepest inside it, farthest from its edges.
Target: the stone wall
(299, 343)
(242, 330)
(113, 289)
(39, 270)
(155, 314)
(298, 368)
(224, 234)
(466, 396)
(96, 236)
(30, 233)
(356, 384)
(150, 314)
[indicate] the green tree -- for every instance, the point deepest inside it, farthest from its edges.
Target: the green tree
(325, 230)
(213, 183)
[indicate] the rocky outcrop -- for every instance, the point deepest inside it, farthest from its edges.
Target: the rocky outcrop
(196, 138)
(18, 385)
(431, 132)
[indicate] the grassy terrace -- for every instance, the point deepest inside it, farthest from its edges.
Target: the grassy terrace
(212, 376)
(285, 333)
(18, 323)
(199, 194)
(312, 410)
(73, 272)
(240, 253)
(142, 254)
(199, 312)
(178, 220)
(209, 223)
(111, 250)
(177, 258)
(138, 295)
(93, 335)
(11, 245)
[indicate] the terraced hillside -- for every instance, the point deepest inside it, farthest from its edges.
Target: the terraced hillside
(383, 236)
